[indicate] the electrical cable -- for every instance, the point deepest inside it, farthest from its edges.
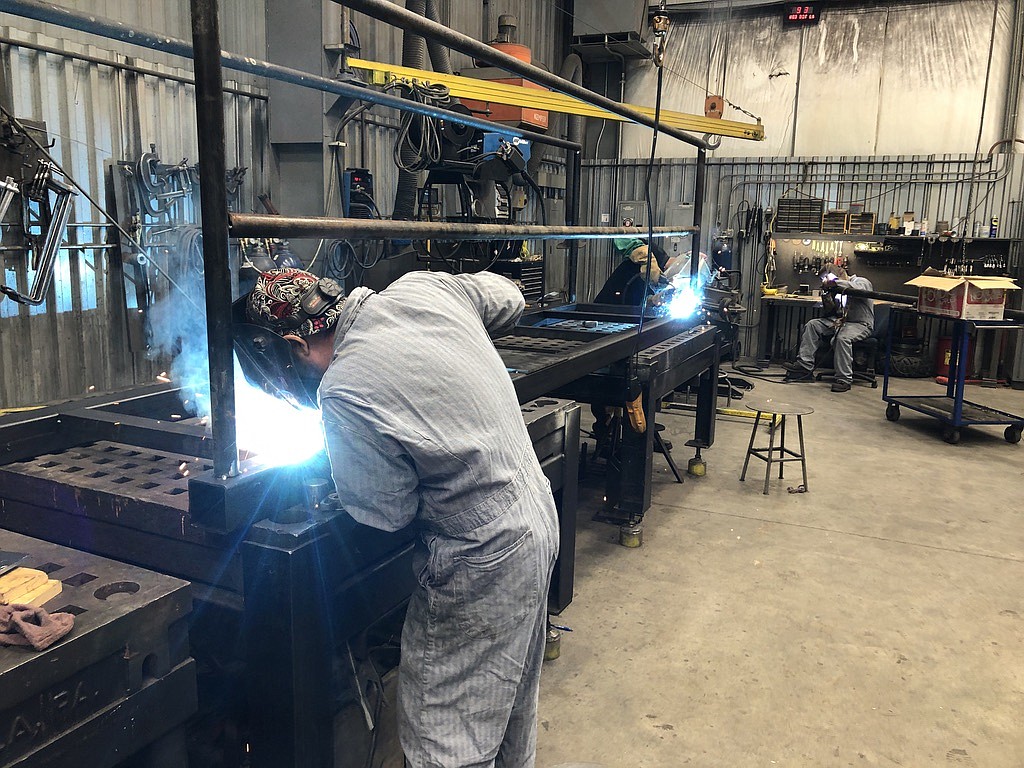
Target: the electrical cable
(650, 214)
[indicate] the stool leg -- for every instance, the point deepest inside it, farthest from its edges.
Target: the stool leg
(750, 446)
(803, 457)
(771, 453)
(782, 446)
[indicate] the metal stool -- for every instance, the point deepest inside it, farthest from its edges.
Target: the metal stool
(784, 454)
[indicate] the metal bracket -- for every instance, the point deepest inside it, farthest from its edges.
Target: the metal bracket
(46, 255)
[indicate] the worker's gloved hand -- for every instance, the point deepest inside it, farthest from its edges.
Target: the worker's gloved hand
(642, 257)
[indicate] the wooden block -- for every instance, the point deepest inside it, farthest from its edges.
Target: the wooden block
(18, 582)
(40, 595)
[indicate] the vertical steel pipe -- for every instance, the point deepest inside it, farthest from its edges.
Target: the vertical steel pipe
(216, 264)
(573, 173)
(698, 210)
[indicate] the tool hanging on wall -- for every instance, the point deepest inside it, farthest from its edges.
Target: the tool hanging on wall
(52, 202)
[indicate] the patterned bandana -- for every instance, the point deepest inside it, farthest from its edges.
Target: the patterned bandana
(277, 298)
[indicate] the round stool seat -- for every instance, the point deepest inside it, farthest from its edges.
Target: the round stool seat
(770, 405)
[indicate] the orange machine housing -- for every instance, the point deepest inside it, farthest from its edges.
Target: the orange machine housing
(506, 114)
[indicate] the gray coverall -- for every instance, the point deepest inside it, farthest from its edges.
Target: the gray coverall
(858, 324)
(423, 427)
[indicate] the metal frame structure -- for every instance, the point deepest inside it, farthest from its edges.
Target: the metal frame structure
(209, 59)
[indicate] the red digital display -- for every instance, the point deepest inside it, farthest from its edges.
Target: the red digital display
(800, 14)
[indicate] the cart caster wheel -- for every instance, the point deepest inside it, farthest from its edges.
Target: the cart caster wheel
(1012, 434)
(951, 436)
(892, 412)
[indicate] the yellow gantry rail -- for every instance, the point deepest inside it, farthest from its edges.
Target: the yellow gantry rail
(535, 98)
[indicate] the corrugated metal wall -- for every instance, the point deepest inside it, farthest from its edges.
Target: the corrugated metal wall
(904, 78)
(243, 24)
(97, 114)
(934, 186)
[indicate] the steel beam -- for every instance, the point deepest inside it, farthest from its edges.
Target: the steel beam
(216, 260)
(411, 22)
(493, 92)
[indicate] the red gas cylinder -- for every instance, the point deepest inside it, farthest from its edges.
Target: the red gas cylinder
(942, 354)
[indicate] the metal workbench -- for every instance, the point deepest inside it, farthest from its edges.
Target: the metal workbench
(581, 352)
(275, 600)
(120, 684)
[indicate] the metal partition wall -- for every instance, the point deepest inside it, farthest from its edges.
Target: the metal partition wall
(936, 186)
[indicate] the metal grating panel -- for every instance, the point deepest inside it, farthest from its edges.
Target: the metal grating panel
(135, 473)
(537, 344)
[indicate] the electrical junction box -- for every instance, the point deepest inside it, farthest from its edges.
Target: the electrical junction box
(962, 298)
(632, 211)
(678, 214)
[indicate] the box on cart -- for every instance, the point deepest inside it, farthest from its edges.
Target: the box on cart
(962, 297)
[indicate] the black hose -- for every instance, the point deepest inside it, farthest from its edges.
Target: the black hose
(440, 55)
(414, 54)
(572, 70)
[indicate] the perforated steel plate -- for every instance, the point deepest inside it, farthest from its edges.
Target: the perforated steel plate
(156, 477)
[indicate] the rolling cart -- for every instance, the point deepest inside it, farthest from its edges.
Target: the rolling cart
(952, 409)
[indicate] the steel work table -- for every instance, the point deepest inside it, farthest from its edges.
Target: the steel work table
(580, 352)
(106, 473)
(121, 683)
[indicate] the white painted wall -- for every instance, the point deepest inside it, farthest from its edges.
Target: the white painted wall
(879, 79)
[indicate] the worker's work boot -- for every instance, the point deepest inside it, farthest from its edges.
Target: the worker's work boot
(840, 386)
(799, 373)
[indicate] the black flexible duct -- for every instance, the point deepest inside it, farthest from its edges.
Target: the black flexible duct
(572, 70)
(440, 56)
(414, 54)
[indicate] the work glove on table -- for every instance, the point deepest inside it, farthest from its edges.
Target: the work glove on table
(31, 626)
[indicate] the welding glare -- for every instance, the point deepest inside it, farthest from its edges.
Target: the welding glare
(280, 432)
(686, 300)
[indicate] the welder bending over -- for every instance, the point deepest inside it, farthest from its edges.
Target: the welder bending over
(628, 281)
(424, 428)
(846, 319)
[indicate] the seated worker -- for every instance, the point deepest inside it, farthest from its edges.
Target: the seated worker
(626, 283)
(846, 319)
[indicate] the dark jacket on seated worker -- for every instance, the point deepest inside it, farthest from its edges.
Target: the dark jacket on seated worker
(847, 319)
(626, 283)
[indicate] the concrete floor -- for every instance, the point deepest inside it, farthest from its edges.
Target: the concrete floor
(876, 620)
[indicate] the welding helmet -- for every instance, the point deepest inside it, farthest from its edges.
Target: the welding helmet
(284, 301)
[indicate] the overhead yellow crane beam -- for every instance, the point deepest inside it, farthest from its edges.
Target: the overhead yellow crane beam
(535, 98)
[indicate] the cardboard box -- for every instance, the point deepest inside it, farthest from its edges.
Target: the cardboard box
(963, 298)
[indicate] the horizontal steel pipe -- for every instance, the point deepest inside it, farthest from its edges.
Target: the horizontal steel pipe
(900, 298)
(393, 14)
(116, 30)
(260, 225)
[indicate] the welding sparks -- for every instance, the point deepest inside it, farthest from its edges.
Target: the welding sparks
(686, 301)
